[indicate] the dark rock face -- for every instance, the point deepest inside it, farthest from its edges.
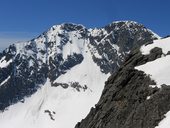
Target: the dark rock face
(58, 66)
(75, 85)
(127, 100)
(32, 62)
(115, 46)
(23, 80)
(50, 114)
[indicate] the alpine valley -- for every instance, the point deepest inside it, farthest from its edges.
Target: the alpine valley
(54, 80)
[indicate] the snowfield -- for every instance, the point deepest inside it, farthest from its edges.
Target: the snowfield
(161, 43)
(55, 107)
(157, 69)
(67, 107)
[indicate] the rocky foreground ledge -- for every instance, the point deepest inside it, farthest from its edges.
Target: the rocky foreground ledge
(131, 98)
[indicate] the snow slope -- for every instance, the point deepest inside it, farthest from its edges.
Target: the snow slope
(165, 123)
(158, 69)
(4, 63)
(161, 43)
(67, 106)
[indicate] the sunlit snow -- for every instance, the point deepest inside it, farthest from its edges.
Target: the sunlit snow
(67, 106)
(164, 44)
(158, 69)
(4, 63)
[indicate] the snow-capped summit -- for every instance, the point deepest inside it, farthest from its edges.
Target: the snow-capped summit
(54, 79)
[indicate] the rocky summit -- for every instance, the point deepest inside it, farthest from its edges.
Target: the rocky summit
(58, 76)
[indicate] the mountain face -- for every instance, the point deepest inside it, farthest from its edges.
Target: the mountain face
(137, 96)
(58, 76)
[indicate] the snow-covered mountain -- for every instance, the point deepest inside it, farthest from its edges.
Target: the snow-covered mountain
(54, 79)
(138, 95)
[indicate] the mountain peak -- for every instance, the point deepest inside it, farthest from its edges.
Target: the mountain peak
(68, 27)
(125, 22)
(65, 67)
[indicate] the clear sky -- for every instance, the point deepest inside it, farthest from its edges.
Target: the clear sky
(25, 19)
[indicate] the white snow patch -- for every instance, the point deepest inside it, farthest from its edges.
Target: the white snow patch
(96, 54)
(152, 86)
(31, 63)
(76, 46)
(161, 43)
(158, 70)
(95, 32)
(148, 97)
(3, 82)
(154, 34)
(4, 63)
(165, 123)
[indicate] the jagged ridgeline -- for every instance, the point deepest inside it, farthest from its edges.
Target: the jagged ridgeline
(67, 57)
(137, 96)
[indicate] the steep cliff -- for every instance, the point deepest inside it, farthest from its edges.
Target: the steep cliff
(138, 95)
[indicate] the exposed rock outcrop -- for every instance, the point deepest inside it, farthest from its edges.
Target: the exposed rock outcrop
(128, 100)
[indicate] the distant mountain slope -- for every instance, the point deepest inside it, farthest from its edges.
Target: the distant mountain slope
(137, 96)
(58, 76)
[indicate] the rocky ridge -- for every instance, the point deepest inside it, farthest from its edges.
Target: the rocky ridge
(131, 99)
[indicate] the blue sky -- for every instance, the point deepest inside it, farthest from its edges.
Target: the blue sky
(25, 19)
